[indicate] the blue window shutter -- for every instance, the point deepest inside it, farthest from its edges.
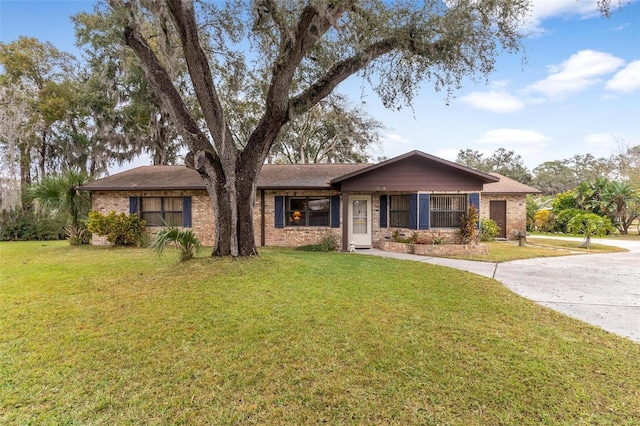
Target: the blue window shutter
(279, 211)
(383, 210)
(423, 216)
(474, 199)
(413, 211)
(335, 211)
(186, 212)
(133, 205)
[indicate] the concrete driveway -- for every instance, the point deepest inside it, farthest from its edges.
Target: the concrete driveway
(600, 289)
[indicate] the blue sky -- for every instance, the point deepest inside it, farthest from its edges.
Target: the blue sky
(578, 91)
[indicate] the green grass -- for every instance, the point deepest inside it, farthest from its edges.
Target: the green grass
(121, 336)
(506, 251)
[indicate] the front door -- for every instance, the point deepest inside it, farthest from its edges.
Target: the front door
(498, 213)
(360, 220)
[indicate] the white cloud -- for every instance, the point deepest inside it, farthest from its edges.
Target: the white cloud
(602, 144)
(581, 71)
(500, 102)
(627, 80)
(545, 9)
(393, 144)
(513, 137)
(447, 153)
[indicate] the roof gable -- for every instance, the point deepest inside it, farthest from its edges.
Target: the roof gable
(415, 171)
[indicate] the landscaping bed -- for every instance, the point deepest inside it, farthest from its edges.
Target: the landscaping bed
(433, 249)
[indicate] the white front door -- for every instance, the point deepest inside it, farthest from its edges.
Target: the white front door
(360, 220)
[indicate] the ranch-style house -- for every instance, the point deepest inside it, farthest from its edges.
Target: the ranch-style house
(297, 204)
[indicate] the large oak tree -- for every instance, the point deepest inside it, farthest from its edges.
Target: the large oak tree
(302, 51)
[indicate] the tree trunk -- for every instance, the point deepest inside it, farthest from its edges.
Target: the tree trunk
(232, 198)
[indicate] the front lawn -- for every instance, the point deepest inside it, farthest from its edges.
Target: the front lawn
(506, 251)
(119, 336)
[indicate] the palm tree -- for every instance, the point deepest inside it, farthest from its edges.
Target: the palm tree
(589, 224)
(184, 240)
(621, 203)
(59, 194)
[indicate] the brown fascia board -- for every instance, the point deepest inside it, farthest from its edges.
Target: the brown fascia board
(485, 177)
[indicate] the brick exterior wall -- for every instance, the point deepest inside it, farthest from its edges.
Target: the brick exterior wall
(203, 224)
(290, 236)
(203, 219)
(516, 210)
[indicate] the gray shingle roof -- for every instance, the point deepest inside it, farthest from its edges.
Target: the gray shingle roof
(272, 176)
(283, 176)
(508, 186)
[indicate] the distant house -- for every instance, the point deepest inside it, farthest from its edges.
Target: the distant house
(296, 204)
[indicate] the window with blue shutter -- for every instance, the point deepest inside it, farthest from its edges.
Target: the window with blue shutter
(383, 211)
(413, 211)
(133, 205)
(423, 215)
(186, 212)
(335, 211)
(279, 211)
(474, 200)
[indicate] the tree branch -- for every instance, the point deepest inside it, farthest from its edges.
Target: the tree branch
(185, 21)
(338, 73)
(169, 95)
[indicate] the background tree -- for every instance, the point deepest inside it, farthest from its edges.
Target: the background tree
(554, 177)
(502, 161)
(36, 71)
(331, 132)
(127, 117)
(318, 45)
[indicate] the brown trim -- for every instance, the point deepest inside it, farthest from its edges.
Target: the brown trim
(345, 221)
(486, 177)
(262, 221)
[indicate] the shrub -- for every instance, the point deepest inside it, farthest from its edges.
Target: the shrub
(184, 240)
(563, 217)
(328, 242)
(78, 234)
(396, 237)
(489, 230)
(30, 225)
(564, 201)
(121, 229)
(543, 220)
(468, 225)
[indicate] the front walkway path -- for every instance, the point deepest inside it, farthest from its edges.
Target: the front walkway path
(601, 289)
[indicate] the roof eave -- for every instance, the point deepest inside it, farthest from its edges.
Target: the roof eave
(485, 177)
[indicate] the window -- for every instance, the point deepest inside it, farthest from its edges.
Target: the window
(447, 209)
(399, 211)
(161, 211)
(308, 211)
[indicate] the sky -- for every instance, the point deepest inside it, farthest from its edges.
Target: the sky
(575, 89)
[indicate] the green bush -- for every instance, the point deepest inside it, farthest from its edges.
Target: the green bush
(563, 217)
(120, 229)
(78, 234)
(489, 230)
(30, 225)
(184, 240)
(543, 220)
(328, 242)
(564, 201)
(468, 225)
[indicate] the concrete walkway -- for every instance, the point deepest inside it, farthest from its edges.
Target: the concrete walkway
(600, 289)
